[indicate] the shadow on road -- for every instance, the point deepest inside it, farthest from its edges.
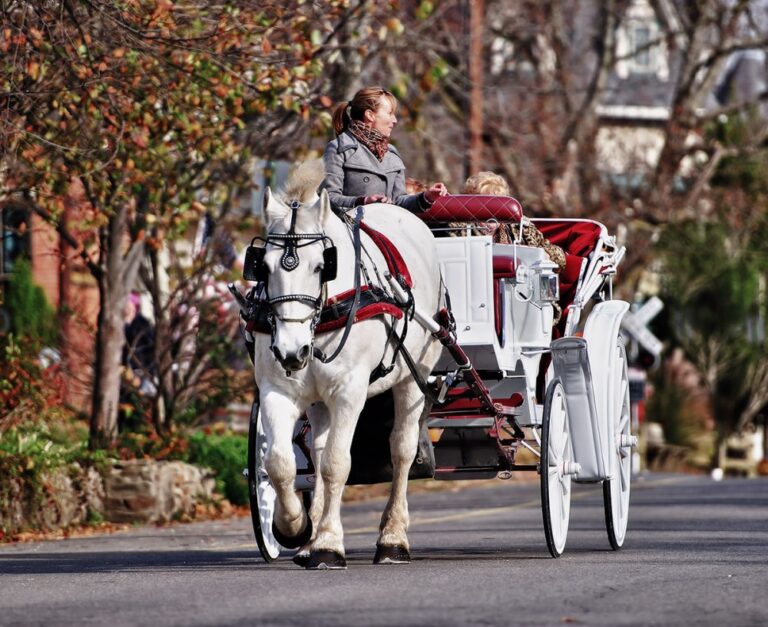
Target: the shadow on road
(147, 561)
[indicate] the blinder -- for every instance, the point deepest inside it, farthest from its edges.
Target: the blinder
(254, 268)
(330, 264)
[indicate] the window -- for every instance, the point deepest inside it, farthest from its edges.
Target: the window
(642, 52)
(15, 222)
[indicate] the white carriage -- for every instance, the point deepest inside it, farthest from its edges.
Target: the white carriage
(565, 400)
(512, 392)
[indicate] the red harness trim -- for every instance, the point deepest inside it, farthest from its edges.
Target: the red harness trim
(395, 261)
(369, 311)
(395, 264)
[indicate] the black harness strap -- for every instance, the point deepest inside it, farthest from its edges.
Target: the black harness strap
(318, 354)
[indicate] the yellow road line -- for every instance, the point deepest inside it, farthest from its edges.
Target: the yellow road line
(489, 511)
(475, 513)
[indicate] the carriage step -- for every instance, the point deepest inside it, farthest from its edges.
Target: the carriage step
(627, 441)
(461, 423)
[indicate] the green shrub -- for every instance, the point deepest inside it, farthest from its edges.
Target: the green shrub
(226, 454)
(31, 314)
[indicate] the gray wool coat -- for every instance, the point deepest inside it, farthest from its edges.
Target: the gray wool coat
(351, 171)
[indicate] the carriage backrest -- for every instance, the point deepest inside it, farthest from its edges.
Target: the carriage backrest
(577, 237)
(473, 208)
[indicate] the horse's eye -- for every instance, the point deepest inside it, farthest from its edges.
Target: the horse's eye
(319, 269)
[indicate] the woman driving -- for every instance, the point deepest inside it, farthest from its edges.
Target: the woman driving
(361, 166)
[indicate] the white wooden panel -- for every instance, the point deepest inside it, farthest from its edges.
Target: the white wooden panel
(466, 266)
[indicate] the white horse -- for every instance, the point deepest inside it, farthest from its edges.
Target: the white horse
(291, 381)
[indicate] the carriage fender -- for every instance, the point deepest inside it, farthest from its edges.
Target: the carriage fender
(584, 366)
(601, 331)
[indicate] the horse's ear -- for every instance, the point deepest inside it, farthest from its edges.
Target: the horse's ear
(325, 206)
(265, 205)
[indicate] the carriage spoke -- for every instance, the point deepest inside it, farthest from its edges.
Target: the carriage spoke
(623, 422)
(561, 507)
(623, 476)
(621, 399)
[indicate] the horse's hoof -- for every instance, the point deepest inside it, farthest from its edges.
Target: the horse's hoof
(293, 542)
(302, 557)
(391, 555)
(326, 560)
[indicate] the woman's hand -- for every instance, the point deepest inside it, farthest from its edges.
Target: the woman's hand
(434, 192)
(367, 200)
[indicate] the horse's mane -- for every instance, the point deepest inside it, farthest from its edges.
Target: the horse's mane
(303, 181)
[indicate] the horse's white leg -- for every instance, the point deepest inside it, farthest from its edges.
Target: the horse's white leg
(279, 415)
(335, 464)
(392, 545)
(320, 421)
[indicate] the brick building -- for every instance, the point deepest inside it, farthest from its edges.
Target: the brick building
(67, 284)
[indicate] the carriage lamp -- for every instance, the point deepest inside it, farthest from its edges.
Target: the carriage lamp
(546, 287)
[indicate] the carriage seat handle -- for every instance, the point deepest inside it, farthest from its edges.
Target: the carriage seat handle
(473, 208)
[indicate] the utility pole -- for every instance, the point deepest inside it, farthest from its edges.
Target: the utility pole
(475, 63)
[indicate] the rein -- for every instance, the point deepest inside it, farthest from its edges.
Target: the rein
(316, 352)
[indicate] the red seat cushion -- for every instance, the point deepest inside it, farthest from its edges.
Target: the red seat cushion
(473, 208)
(503, 266)
(569, 281)
(577, 238)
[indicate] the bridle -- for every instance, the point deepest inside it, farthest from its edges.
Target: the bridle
(256, 270)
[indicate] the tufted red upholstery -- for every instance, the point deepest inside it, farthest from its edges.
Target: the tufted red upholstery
(473, 208)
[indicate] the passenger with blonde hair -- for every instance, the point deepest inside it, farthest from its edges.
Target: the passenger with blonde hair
(361, 166)
(489, 183)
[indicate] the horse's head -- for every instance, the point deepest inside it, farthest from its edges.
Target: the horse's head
(295, 263)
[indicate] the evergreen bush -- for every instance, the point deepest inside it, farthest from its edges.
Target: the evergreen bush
(227, 454)
(31, 314)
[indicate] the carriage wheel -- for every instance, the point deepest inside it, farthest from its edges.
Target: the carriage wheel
(261, 494)
(616, 489)
(556, 468)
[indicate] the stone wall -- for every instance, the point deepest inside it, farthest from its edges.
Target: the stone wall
(150, 491)
(142, 491)
(65, 497)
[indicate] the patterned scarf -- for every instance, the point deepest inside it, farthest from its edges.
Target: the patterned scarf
(370, 138)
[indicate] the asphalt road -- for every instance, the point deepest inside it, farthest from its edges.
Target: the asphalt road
(696, 553)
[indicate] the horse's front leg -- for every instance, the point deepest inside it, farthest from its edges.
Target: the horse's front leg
(392, 546)
(335, 464)
(319, 419)
(291, 525)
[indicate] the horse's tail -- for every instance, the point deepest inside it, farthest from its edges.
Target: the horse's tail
(303, 181)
